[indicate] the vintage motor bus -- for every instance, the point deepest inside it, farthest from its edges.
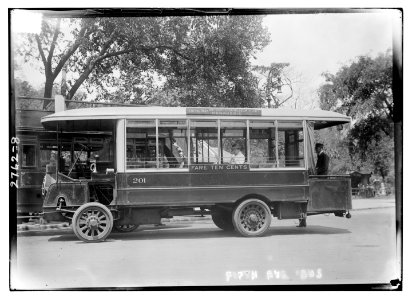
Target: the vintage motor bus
(240, 165)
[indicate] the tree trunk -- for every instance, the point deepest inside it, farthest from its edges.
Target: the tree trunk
(48, 91)
(78, 83)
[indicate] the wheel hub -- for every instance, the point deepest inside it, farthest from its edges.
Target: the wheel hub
(253, 218)
(93, 222)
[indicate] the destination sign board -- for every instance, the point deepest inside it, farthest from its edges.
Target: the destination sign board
(223, 111)
(219, 168)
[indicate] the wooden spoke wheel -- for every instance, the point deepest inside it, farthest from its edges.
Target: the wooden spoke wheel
(92, 222)
(125, 227)
(222, 219)
(252, 217)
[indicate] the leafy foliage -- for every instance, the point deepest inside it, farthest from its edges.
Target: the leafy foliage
(364, 87)
(363, 90)
(276, 78)
(24, 88)
(196, 60)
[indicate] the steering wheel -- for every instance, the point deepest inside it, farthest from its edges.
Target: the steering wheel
(93, 167)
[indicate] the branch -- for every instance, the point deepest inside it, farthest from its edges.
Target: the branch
(165, 47)
(69, 52)
(90, 64)
(43, 57)
(388, 105)
(116, 53)
(53, 44)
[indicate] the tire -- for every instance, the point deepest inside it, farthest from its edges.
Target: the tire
(92, 222)
(125, 227)
(252, 218)
(222, 219)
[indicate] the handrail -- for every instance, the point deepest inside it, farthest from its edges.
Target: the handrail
(328, 176)
(81, 102)
(34, 98)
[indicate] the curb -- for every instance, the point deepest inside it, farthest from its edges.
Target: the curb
(62, 226)
(368, 208)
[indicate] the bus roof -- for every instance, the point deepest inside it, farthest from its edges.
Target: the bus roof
(321, 118)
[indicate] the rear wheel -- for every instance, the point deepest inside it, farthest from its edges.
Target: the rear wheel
(125, 227)
(222, 219)
(92, 222)
(252, 217)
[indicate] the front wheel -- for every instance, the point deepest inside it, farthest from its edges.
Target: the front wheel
(252, 217)
(92, 222)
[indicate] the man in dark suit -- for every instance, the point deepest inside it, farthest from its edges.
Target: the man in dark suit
(322, 165)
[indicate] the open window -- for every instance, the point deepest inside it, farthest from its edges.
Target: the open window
(204, 142)
(141, 144)
(162, 145)
(262, 144)
(233, 142)
(173, 144)
(290, 144)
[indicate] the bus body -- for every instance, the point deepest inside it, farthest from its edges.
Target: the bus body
(177, 161)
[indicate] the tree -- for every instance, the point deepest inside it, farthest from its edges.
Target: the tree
(203, 56)
(371, 141)
(276, 78)
(363, 90)
(24, 88)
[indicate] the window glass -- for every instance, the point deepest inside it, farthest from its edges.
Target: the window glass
(141, 144)
(204, 143)
(172, 144)
(103, 149)
(48, 154)
(233, 142)
(29, 156)
(290, 144)
(262, 144)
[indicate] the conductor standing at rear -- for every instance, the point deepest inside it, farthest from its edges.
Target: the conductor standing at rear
(322, 165)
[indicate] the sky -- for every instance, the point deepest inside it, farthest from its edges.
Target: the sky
(317, 43)
(311, 43)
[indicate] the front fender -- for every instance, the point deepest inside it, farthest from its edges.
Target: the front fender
(73, 193)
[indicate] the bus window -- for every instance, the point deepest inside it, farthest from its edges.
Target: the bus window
(204, 143)
(172, 143)
(290, 144)
(28, 156)
(262, 144)
(233, 135)
(141, 144)
(48, 155)
(104, 150)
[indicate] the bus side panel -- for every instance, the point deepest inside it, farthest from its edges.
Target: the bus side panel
(329, 194)
(29, 197)
(209, 188)
(207, 196)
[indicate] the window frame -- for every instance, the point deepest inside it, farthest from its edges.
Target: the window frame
(218, 120)
(304, 144)
(21, 154)
(157, 169)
